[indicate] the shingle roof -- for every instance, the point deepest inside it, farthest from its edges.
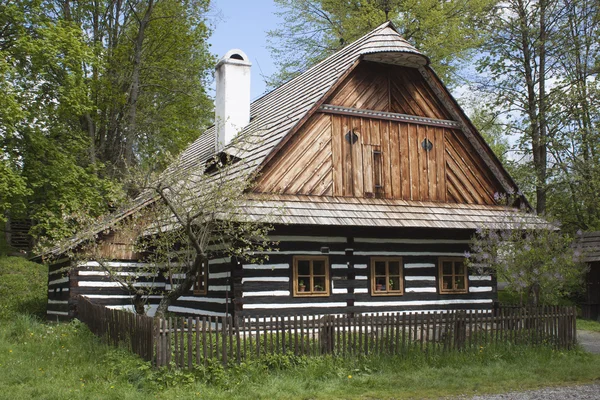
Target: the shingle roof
(350, 211)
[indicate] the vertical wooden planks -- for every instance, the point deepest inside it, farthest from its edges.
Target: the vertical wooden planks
(386, 158)
(336, 154)
(395, 174)
(413, 154)
(346, 157)
(357, 159)
(422, 156)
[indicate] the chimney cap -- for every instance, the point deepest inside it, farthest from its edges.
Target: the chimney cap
(234, 56)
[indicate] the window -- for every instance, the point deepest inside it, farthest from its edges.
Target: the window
(386, 276)
(311, 276)
(453, 276)
(378, 173)
(201, 284)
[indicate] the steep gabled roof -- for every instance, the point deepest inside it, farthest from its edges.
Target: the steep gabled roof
(276, 114)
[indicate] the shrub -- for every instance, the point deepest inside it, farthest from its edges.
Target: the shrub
(22, 287)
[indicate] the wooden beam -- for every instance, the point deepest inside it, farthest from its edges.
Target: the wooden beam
(388, 116)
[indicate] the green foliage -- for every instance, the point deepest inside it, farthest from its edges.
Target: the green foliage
(312, 30)
(488, 125)
(538, 262)
(546, 90)
(22, 288)
(88, 89)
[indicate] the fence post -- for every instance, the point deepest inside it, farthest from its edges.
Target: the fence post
(460, 330)
(326, 334)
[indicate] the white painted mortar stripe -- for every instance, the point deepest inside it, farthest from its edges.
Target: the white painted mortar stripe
(267, 293)
(266, 266)
(266, 279)
(419, 302)
(287, 305)
(419, 265)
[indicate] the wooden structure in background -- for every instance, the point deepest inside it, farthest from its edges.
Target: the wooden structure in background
(16, 233)
(590, 308)
(373, 175)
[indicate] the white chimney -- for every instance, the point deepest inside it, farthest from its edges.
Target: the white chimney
(232, 108)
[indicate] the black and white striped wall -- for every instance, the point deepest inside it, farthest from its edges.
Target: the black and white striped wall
(88, 279)
(268, 289)
(258, 290)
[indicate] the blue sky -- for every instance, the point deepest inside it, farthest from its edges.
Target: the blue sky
(243, 24)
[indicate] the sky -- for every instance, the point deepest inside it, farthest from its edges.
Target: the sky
(243, 24)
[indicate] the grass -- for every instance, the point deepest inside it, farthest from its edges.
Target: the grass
(58, 361)
(23, 287)
(587, 325)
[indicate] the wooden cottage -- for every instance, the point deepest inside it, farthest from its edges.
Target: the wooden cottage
(377, 180)
(590, 308)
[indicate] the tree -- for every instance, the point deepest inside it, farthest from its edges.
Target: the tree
(446, 31)
(91, 88)
(191, 216)
(540, 65)
(518, 65)
(575, 145)
(538, 262)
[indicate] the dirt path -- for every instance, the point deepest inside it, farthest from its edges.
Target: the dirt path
(589, 340)
(580, 392)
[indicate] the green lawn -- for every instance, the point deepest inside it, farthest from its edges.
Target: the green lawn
(65, 361)
(587, 325)
(61, 361)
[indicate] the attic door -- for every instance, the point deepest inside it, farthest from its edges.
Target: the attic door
(387, 159)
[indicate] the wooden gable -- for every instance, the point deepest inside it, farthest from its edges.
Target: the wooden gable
(370, 139)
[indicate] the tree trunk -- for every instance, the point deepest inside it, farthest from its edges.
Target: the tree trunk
(135, 83)
(190, 278)
(139, 304)
(534, 295)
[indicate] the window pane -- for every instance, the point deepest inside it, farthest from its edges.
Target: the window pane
(303, 267)
(394, 267)
(319, 267)
(302, 284)
(447, 267)
(380, 284)
(460, 268)
(460, 282)
(379, 267)
(319, 284)
(447, 283)
(394, 284)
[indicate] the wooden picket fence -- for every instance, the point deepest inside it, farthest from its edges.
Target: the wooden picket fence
(186, 342)
(119, 327)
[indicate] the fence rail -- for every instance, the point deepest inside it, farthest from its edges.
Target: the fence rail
(186, 342)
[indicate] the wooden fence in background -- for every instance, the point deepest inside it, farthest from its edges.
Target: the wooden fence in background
(185, 342)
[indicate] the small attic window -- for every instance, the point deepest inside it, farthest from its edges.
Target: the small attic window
(220, 159)
(236, 56)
